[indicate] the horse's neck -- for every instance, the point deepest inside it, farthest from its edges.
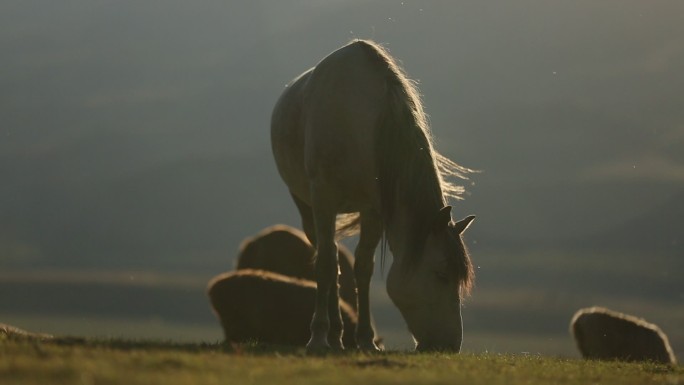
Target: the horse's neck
(403, 231)
(396, 232)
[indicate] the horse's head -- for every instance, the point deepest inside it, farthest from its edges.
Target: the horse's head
(428, 293)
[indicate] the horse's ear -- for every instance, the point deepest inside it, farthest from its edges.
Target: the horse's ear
(442, 219)
(463, 224)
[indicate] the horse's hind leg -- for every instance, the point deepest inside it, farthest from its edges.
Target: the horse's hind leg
(371, 232)
(336, 326)
(324, 216)
(335, 315)
(306, 213)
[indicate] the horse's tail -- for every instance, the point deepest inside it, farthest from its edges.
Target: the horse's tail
(347, 225)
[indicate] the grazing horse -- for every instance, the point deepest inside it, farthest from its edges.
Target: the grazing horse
(285, 250)
(350, 137)
(263, 306)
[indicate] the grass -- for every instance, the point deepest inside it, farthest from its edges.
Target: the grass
(116, 361)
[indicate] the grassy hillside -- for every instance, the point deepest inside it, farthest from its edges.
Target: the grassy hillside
(523, 302)
(127, 362)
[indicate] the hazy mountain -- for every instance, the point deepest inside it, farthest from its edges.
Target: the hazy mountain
(136, 134)
(659, 230)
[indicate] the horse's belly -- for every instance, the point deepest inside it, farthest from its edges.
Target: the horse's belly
(352, 186)
(349, 186)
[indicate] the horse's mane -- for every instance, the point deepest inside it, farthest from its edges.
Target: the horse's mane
(403, 91)
(410, 168)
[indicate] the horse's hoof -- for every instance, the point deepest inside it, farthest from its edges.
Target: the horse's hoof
(369, 347)
(318, 347)
(337, 347)
(318, 350)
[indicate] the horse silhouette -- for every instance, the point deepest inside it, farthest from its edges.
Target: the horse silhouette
(352, 144)
(263, 306)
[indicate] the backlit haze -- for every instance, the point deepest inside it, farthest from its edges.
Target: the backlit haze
(134, 147)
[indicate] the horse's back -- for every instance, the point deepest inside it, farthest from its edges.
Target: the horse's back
(287, 135)
(285, 250)
(323, 127)
(281, 249)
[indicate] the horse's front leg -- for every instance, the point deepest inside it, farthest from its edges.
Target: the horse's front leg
(334, 312)
(324, 214)
(371, 232)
